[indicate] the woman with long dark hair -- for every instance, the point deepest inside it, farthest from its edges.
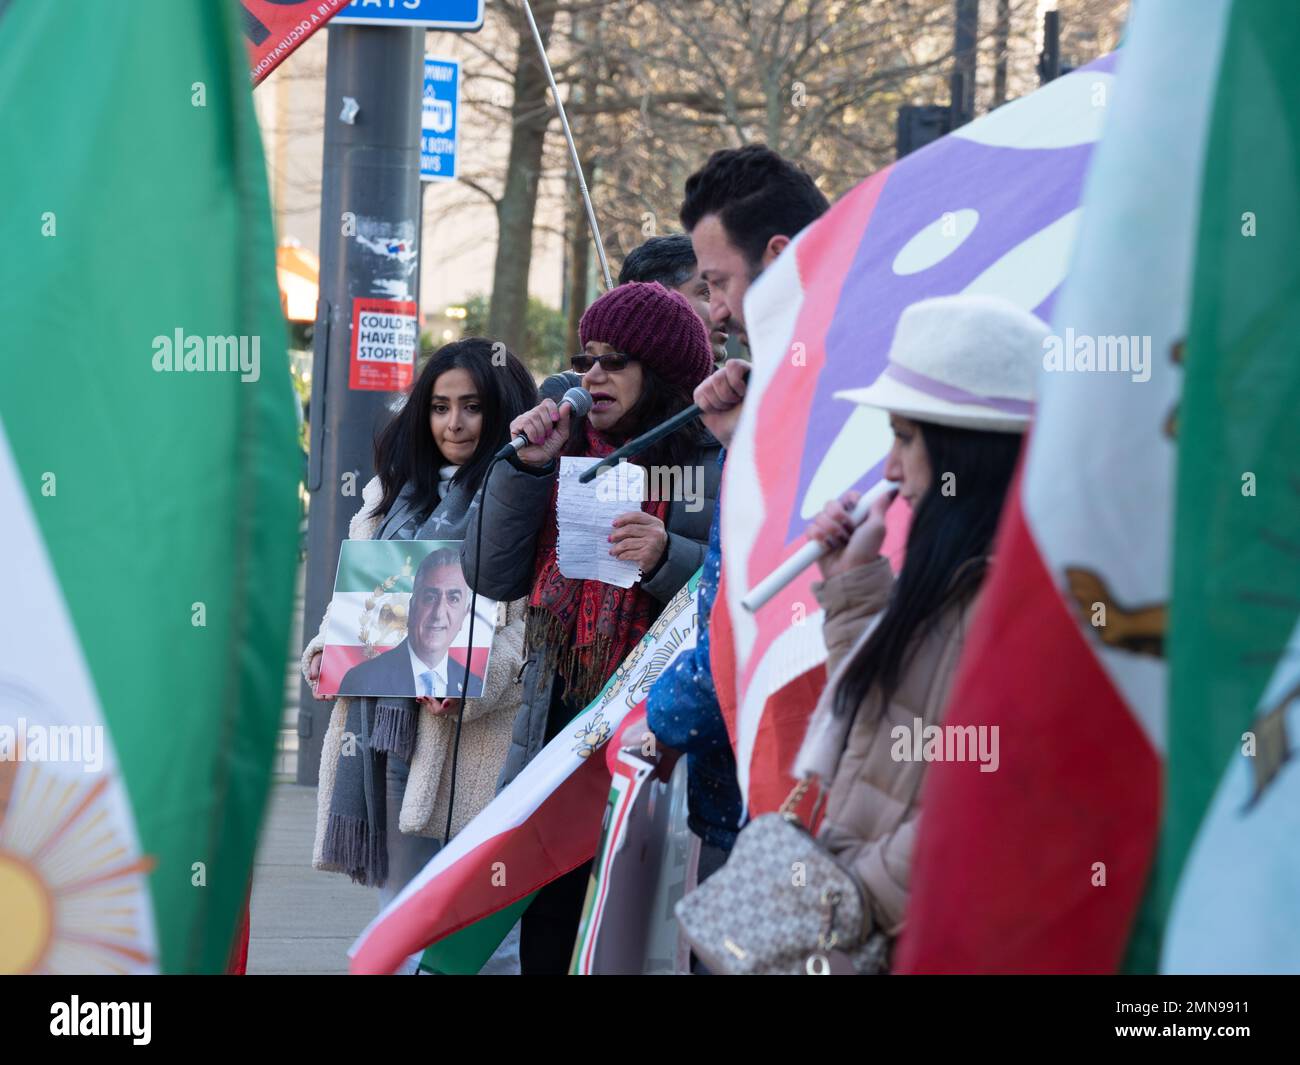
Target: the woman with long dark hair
(381, 827)
(644, 351)
(958, 388)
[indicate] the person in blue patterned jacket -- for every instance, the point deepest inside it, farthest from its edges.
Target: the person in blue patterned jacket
(741, 209)
(683, 712)
(682, 709)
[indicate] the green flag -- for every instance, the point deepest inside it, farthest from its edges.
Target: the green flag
(147, 475)
(1234, 642)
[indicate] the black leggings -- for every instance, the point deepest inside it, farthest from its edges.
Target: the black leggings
(550, 925)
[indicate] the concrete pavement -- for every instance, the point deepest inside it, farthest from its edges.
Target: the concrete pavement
(302, 921)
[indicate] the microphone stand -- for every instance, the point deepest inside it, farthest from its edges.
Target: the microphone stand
(650, 436)
(664, 428)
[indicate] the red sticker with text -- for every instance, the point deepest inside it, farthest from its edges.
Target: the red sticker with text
(384, 335)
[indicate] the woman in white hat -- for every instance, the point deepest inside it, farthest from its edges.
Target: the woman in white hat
(958, 389)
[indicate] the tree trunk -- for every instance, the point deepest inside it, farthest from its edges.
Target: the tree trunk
(579, 262)
(518, 204)
(1001, 38)
(579, 235)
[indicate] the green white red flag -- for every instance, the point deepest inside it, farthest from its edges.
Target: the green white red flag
(147, 481)
(1228, 871)
(1145, 586)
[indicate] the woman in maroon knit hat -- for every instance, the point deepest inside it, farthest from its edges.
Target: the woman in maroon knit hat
(644, 351)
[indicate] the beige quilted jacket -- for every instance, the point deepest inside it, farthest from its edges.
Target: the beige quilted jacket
(871, 809)
(484, 737)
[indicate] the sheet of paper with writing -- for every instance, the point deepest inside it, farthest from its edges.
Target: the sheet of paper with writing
(586, 514)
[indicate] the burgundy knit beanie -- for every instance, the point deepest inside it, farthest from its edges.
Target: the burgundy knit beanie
(656, 325)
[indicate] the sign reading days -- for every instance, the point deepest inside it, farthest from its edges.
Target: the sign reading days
(384, 335)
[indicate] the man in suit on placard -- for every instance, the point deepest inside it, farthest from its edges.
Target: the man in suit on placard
(420, 664)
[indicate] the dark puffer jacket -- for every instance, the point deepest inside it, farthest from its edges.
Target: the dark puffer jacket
(517, 502)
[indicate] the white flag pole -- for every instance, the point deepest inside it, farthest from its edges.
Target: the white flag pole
(573, 148)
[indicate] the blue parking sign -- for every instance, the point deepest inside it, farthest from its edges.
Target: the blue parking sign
(439, 111)
(465, 15)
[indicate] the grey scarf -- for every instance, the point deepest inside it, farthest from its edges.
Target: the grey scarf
(355, 838)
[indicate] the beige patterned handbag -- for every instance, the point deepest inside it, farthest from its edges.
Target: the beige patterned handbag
(781, 905)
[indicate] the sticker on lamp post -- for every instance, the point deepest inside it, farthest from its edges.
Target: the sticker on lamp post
(384, 336)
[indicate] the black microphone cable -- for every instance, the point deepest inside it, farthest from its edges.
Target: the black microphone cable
(469, 660)
(469, 654)
(559, 380)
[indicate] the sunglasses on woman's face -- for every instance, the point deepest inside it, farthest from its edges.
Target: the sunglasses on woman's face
(608, 363)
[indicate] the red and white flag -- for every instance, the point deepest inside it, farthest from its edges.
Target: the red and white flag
(545, 823)
(990, 209)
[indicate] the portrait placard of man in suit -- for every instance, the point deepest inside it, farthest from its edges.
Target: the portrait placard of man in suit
(420, 664)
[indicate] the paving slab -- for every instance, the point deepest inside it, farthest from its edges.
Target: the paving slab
(303, 921)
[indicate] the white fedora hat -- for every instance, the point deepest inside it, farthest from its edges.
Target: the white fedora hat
(966, 361)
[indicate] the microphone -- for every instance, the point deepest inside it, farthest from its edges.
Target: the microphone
(788, 570)
(578, 400)
(643, 441)
(557, 384)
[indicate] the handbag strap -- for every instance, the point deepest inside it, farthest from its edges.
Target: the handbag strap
(795, 798)
(800, 789)
(787, 808)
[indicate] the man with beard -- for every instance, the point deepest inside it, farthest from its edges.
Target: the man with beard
(742, 209)
(671, 262)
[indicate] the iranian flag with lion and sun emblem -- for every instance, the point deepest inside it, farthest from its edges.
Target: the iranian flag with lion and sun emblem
(149, 516)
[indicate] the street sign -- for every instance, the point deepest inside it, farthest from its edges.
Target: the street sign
(274, 28)
(439, 128)
(466, 15)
